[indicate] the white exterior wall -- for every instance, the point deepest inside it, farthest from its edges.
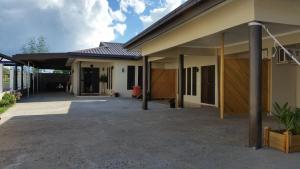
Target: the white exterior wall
(119, 77)
(298, 87)
(74, 77)
(284, 83)
(199, 61)
(193, 61)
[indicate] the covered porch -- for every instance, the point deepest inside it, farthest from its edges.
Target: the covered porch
(226, 59)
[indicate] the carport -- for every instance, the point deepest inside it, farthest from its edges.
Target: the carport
(45, 81)
(11, 62)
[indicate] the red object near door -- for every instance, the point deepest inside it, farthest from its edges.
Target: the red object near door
(137, 91)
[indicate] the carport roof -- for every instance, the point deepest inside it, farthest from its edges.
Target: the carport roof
(9, 61)
(106, 50)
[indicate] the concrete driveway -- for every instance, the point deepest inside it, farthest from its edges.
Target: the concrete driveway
(57, 131)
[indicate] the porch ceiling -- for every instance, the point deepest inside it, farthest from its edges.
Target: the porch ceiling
(238, 35)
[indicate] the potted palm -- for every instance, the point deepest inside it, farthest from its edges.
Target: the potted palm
(103, 81)
(287, 137)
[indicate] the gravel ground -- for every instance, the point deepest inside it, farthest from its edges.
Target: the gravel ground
(57, 131)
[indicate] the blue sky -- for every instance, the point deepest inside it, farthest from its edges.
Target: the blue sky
(70, 25)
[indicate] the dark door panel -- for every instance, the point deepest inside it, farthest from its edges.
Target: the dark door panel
(208, 84)
(90, 80)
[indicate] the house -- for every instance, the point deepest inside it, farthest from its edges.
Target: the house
(122, 68)
(224, 53)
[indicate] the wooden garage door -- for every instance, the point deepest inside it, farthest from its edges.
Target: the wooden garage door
(163, 83)
(236, 86)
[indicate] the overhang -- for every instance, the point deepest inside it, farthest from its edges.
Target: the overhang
(9, 61)
(182, 14)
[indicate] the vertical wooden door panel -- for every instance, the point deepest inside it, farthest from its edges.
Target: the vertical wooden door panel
(163, 83)
(236, 87)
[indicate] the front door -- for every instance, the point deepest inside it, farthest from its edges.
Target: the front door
(208, 84)
(90, 80)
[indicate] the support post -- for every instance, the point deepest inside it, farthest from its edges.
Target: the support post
(28, 79)
(149, 81)
(222, 61)
(37, 81)
(1, 78)
(79, 79)
(255, 123)
(22, 78)
(33, 83)
(16, 78)
(180, 81)
(145, 82)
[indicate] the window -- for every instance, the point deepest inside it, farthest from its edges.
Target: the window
(140, 76)
(130, 77)
(194, 83)
(189, 72)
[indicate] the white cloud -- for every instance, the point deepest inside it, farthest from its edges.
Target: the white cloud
(120, 28)
(44, 4)
(138, 6)
(157, 13)
(118, 15)
(90, 21)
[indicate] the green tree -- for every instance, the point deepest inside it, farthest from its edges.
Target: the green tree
(35, 45)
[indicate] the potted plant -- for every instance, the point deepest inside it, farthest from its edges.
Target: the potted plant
(103, 81)
(172, 103)
(116, 94)
(287, 137)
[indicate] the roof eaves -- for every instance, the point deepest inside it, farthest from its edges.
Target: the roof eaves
(105, 56)
(169, 18)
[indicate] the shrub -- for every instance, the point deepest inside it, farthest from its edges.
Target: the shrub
(103, 79)
(287, 117)
(4, 103)
(9, 98)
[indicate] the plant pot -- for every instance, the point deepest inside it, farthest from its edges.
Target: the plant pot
(281, 140)
(116, 94)
(172, 103)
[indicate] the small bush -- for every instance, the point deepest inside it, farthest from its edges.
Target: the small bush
(4, 103)
(9, 98)
(7, 101)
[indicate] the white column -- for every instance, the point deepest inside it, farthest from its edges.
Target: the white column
(1, 78)
(11, 79)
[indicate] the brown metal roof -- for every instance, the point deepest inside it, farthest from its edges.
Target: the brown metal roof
(106, 50)
(183, 13)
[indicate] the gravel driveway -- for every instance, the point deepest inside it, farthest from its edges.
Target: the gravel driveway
(58, 131)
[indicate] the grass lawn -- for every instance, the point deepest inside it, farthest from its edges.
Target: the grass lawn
(3, 109)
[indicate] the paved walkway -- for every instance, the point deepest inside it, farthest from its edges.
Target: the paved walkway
(57, 131)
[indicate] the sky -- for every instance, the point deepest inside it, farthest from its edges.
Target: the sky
(69, 25)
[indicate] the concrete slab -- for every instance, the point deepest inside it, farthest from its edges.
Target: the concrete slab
(61, 131)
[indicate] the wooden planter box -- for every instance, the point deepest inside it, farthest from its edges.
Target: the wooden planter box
(283, 141)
